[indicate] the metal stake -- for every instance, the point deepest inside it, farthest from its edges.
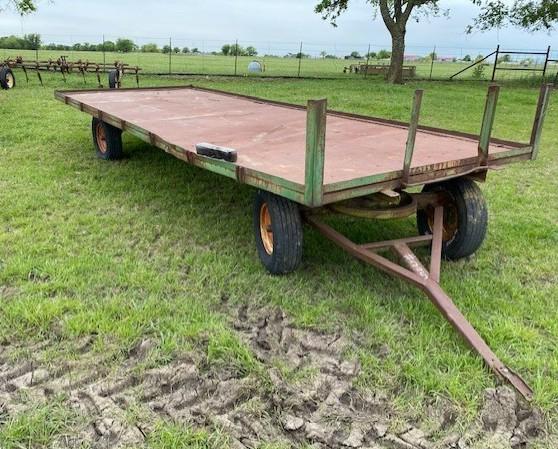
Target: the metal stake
(316, 114)
(488, 122)
(413, 126)
(540, 114)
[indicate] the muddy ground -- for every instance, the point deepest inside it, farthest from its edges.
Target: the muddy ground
(311, 402)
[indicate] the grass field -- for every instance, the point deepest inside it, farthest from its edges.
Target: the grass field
(150, 248)
(275, 66)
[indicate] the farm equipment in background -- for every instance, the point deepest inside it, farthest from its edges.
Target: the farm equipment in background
(61, 65)
(409, 71)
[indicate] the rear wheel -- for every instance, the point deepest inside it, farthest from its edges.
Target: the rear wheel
(7, 78)
(107, 140)
(114, 79)
(465, 217)
(278, 232)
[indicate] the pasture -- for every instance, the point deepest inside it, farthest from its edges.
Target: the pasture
(135, 274)
(274, 65)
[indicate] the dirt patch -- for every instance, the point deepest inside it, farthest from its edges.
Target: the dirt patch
(303, 394)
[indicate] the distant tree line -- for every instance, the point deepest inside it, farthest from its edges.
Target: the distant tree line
(238, 50)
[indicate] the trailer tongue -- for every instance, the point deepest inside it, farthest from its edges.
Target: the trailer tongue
(356, 167)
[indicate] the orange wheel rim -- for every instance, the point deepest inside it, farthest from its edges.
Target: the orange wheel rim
(9, 80)
(101, 138)
(266, 231)
(451, 221)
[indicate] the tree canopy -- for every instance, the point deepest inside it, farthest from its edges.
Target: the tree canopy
(21, 6)
(532, 15)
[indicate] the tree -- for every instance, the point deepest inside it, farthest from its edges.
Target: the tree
(167, 49)
(433, 56)
(467, 58)
(395, 14)
(384, 54)
(532, 15)
(195, 50)
(125, 45)
(176, 50)
(355, 55)
(251, 51)
(32, 41)
(226, 49)
(21, 6)
(150, 48)
(108, 46)
(185, 50)
(323, 54)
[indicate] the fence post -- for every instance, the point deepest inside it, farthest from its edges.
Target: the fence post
(495, 62)
(432, 62)
(546, 63)
(170, 55)
(540, 114)
(235, 56)
(299, 59)
(367, 61)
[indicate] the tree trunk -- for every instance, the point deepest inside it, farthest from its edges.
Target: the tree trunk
(395, 74)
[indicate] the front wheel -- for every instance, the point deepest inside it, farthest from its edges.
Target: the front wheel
(7, 78)
(465, 217)
(278, 232)
(107, 140)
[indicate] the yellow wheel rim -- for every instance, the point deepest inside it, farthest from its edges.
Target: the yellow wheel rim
(266, 231)
(9, 80)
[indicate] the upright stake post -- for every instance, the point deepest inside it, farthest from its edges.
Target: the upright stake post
(170, 55)
(367, 61)
(299, 58)
(488, 122)
(316, 114)
(432, 62)
(542, 105)
(413, 126)
(235, 56)
(495, 62)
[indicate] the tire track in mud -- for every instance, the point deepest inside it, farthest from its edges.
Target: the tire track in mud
(313, 402)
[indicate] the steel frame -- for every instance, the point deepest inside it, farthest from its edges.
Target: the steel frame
(428, 280)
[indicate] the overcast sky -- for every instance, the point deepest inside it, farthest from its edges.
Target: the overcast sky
(271, 26)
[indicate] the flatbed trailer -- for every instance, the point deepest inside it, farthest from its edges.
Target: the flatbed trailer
(306, 161)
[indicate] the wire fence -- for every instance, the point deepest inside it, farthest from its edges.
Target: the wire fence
(178, 55)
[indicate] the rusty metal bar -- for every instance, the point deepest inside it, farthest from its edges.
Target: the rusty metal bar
(315, 152)
(488, 122)
(419, 276)
(413, 126)
(472, 65)
(540, 115)
(419, 240)
(436, 251)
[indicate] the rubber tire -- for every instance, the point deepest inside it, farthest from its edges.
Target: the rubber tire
(113, 79)
(3, 82)
(472, 216)
(113, 137)
(286, 224)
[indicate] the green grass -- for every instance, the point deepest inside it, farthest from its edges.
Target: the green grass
(149, 247)
(274, 65)
(38, 427)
